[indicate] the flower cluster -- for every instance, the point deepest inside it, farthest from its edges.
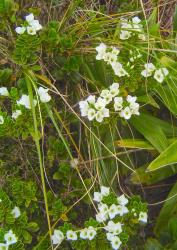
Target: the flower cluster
(97, 109)
(159, 74)
(10, 239)
(106, 212)
(110, 56)
(112, 216)
(117, 210)
(131, 27)
(32, 26)
(25, 101)
(84, 234)
(43, 96)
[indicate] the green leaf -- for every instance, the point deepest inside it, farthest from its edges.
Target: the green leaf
(148, 99)
(168, 98)
(169, 209)
(27, 236)
(151, 130)
(172, 226)
(141, 176)
(167, 157)
(32, 226)
(139, 143)
(134, 143)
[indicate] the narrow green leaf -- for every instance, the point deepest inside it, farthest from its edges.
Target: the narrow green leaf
(151, 130)
(139, 143)
(167, 157)
(149, 178)
(134, 143)
(168, 98)
(169, 209)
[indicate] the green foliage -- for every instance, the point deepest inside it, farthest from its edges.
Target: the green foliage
(26, 48)
(6, 6)
(24, 192)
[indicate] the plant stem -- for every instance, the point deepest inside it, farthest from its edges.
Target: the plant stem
(29, 81)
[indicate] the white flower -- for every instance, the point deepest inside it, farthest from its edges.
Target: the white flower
(71, 235)
(138, 27)
(105, 93)
(109, 236)
(74, 162)
(16, 114)
(10, 238)
(165, 71)
(43, 94)
(91, 232)
(125, 24)
(105, 112)
(112, 211)
(136, 20)
(115, 51)
(118, 69)
(105, 191)
(35, 25)
(115, 85)
(150, 67)
(16, 212)
(103, 208)
(131, 99)
(121, 210)
(91, 114)
(25, 101)
(124, 35)
(146, 73)
(29, 18)
(160, 74)
(31, 30)
(101, 114)
(84, 107)
(143, 217)
(122, 200)
(4, 246)
(97, 197)
(118, 101)
(114, 89)
(116, 242)
(125, 113)
(134, 107)
(91, 99)
(101, 49)
(108, 98)
(4, 91)
(115, 228)
(100, 103)
(57, 237)
(1, 119)
(84, 234)
(101, 217)
(110, 57)
(20, 30)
